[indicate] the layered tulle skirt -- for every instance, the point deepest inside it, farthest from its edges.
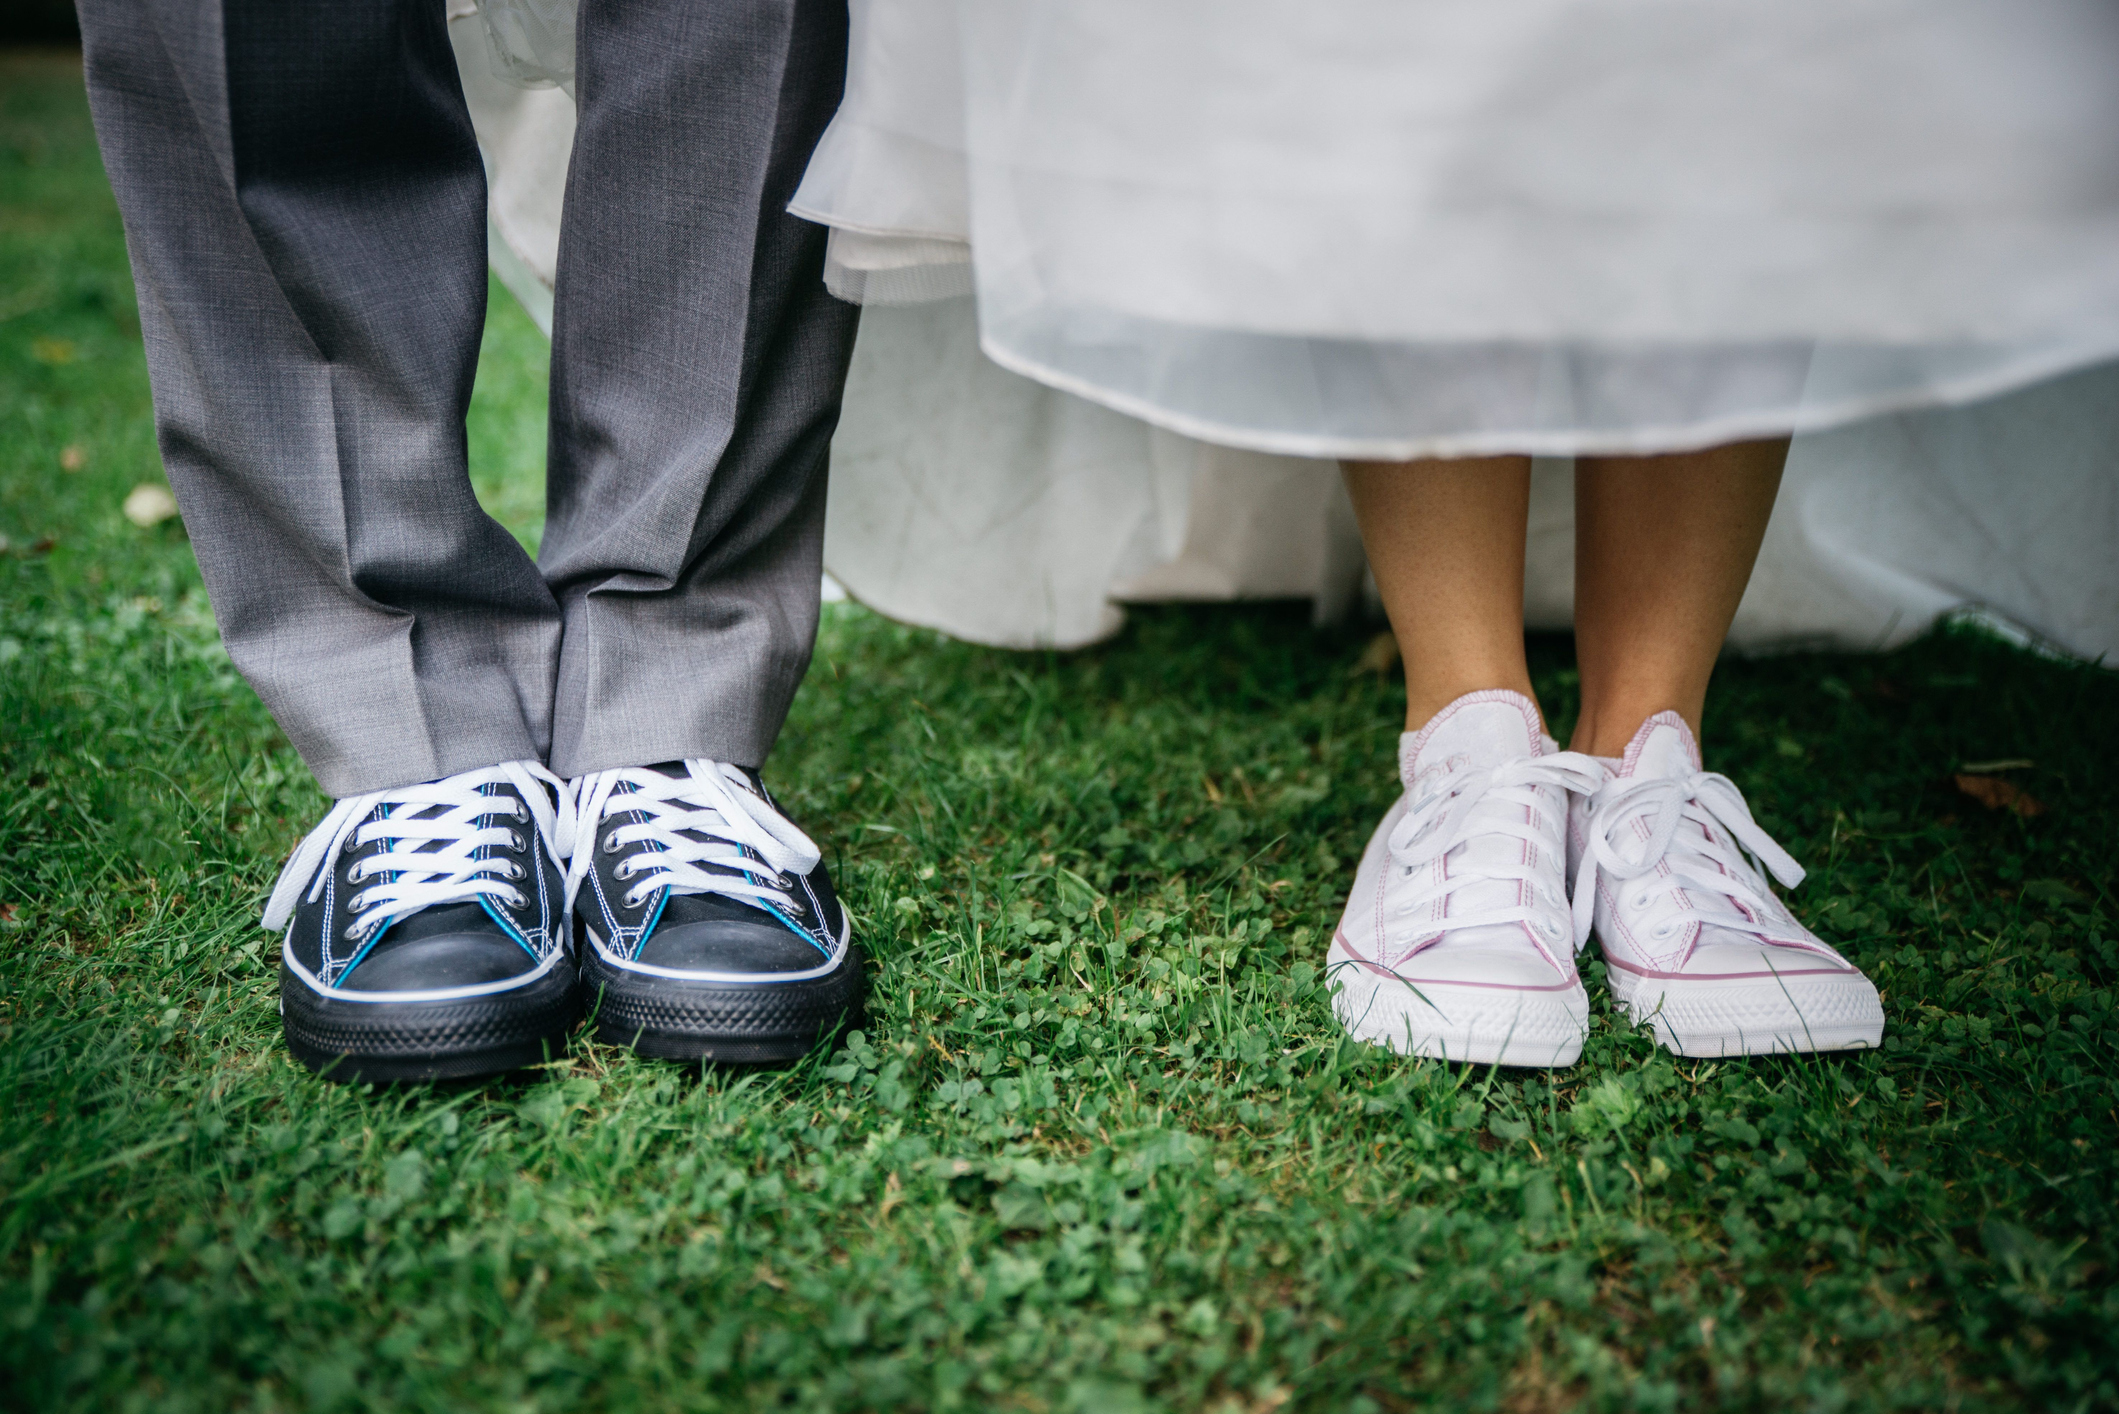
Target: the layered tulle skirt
(1387, 228)
(1137, 273)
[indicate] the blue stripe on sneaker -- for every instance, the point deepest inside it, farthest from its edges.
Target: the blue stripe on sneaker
(359, 957)
(803, 933)
(649, 926)
(507, 927)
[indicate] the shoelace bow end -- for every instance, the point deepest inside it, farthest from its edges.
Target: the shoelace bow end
(1702, 798)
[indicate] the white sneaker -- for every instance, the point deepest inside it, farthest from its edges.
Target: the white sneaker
(1695, 942)
(1456, 942)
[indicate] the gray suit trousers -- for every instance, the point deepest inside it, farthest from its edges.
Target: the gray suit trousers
(305, 208)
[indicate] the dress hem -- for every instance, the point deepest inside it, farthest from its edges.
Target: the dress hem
(1638, 441)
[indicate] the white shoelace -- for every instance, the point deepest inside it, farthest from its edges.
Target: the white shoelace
(697, 828)
(1684, 812)
(1461, 808)
(411, 877)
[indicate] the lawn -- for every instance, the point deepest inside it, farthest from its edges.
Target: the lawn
(1099, 1146)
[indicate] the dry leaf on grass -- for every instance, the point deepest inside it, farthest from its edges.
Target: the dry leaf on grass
(73, 459)
(149, 505)
(1997, 794)
(1380, 656)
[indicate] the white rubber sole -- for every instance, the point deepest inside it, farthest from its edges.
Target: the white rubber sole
(1754, 1017)
(1471, 1025)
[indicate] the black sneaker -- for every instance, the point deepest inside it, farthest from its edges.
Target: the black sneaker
(709, 928)
(427, 930)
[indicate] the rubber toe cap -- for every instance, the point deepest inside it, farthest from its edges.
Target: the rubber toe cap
(725, 946)
(1510, 968)
(438, 961)
(1751, 959)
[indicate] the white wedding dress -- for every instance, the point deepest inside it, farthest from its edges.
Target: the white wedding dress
(1137, 273)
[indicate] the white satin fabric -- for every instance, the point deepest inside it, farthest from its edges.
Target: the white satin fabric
(1432, 227)
(1008, 511)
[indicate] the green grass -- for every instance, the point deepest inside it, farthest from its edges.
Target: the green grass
(1100, 1147)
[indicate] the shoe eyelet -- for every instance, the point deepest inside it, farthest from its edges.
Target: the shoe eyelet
(795, 908)
(632, 898)
(514, 841)
(516, 871)
(610, 843)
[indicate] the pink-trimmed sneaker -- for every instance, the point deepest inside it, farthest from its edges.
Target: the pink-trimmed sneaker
(1457, 942)
(1695, 942)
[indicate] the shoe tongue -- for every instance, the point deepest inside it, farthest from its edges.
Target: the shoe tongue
(1477, 731)
(710, 908)
(442, 919)
(1482, 728)
(691, 906)
(1664, 746)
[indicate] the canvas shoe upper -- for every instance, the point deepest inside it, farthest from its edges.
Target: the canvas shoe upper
(1456, 941)
(1695, 942)
(425, 930)
(709, 924)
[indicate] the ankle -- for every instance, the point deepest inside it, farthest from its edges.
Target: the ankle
(1606, 730)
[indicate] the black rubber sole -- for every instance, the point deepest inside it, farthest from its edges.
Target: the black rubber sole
(720, 1021)
(358, 1042)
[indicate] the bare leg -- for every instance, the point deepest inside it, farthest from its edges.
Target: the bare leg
(1445, 540)
(1663, 549)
